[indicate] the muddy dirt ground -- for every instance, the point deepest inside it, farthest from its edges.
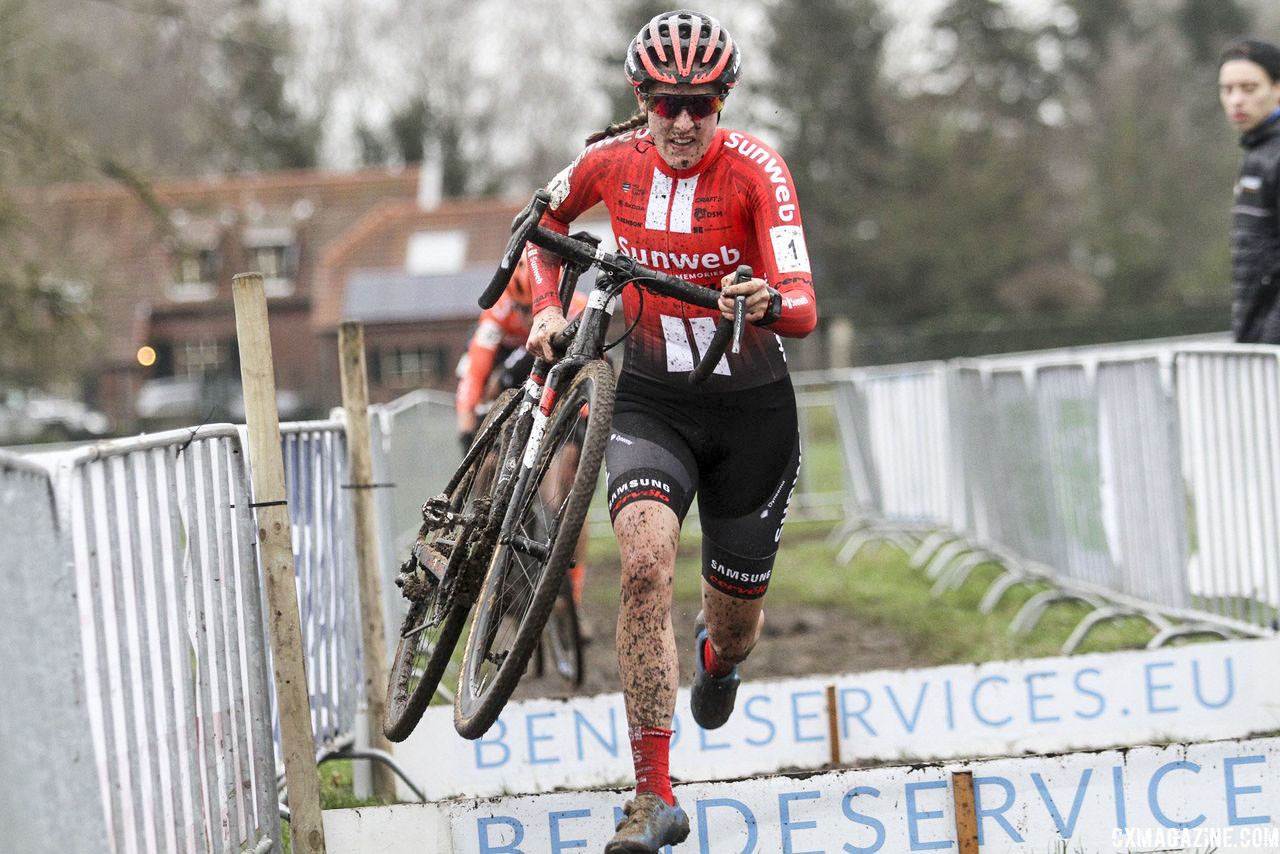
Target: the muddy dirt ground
(797, 641)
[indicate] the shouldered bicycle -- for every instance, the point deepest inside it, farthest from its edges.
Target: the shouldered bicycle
(500, 537)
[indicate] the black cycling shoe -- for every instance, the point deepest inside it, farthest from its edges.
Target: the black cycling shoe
(649, 823)
(711, 699)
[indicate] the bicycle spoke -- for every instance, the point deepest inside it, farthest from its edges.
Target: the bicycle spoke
(439, 588)
(526, 570)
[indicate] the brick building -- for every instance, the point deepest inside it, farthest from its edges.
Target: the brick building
(331, 247)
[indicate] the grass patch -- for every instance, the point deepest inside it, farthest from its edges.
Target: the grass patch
(336, 790)
(336, 793)
(879, 587)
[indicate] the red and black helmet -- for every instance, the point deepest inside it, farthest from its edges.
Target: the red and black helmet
(682, 47)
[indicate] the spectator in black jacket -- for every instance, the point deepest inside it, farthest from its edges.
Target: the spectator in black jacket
(1249, 87)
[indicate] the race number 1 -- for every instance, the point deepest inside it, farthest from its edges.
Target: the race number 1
(789, 251)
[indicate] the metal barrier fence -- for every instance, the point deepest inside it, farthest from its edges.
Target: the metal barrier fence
(1079, 469)
(162, 541)
(320, 514)
(415, 450)
(1229, 414)
(168, 647)
(48, 772)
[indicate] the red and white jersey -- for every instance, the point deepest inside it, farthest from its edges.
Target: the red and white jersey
(735, 206)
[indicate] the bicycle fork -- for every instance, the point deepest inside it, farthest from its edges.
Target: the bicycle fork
(541, 391)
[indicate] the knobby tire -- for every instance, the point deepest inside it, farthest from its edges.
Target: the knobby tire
(519, 588)
(422, 658)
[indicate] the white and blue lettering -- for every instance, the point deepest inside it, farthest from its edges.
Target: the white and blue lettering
(487, 846)
(997, 813)
(797, 716)
(705, 805)
(1066, 829)
(580, 723)
(1033, 697)
(751, 715)
(789, 825)
(557, 844)
(915, 815)
(533, 739)
(846, 807)
(1229, 766)
(1153, 687)
(493, 739)
(973, 701)
(1153, 794)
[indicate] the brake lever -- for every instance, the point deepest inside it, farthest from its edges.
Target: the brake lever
(740, 309)
(726, 330)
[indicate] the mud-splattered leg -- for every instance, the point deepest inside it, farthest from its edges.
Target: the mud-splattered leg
(733, 625)
(647, 535)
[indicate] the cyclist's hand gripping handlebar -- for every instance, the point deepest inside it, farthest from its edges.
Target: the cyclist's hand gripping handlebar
(726, 330)
(523, 225)
(561, 340)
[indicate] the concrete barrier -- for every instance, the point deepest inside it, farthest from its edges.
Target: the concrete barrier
(1221, 794)
(1003, 708)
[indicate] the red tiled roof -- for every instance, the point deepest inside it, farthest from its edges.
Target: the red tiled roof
(380, 241)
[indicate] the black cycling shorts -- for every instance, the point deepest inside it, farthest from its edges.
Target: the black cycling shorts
(738, 452)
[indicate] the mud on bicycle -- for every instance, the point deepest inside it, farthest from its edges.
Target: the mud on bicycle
(562, 651)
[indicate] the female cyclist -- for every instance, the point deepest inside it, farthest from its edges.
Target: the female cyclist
(691, 198)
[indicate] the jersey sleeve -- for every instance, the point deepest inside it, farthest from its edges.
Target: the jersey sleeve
(575, 190)
(779, 234)
(481, 353)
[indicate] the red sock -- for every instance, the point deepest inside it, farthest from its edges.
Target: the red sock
(714, 666)
(577, 577)
(650, 750)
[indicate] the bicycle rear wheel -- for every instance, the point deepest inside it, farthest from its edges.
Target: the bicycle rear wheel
(439, 580)
(525, 576)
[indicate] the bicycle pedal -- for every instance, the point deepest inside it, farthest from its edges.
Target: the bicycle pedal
(436, 511)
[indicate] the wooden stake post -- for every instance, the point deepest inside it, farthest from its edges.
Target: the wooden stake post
(266, 467)
(833, 726)
(355, 400)
(966, 818)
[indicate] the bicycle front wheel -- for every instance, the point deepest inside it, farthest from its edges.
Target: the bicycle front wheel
(525, 574)
(439, 580)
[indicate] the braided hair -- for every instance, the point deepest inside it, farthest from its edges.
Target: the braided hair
(637, 120)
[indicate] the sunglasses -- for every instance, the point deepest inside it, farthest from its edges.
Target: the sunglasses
(670, 106)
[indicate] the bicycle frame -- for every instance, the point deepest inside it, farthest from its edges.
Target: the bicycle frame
(540, 392)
